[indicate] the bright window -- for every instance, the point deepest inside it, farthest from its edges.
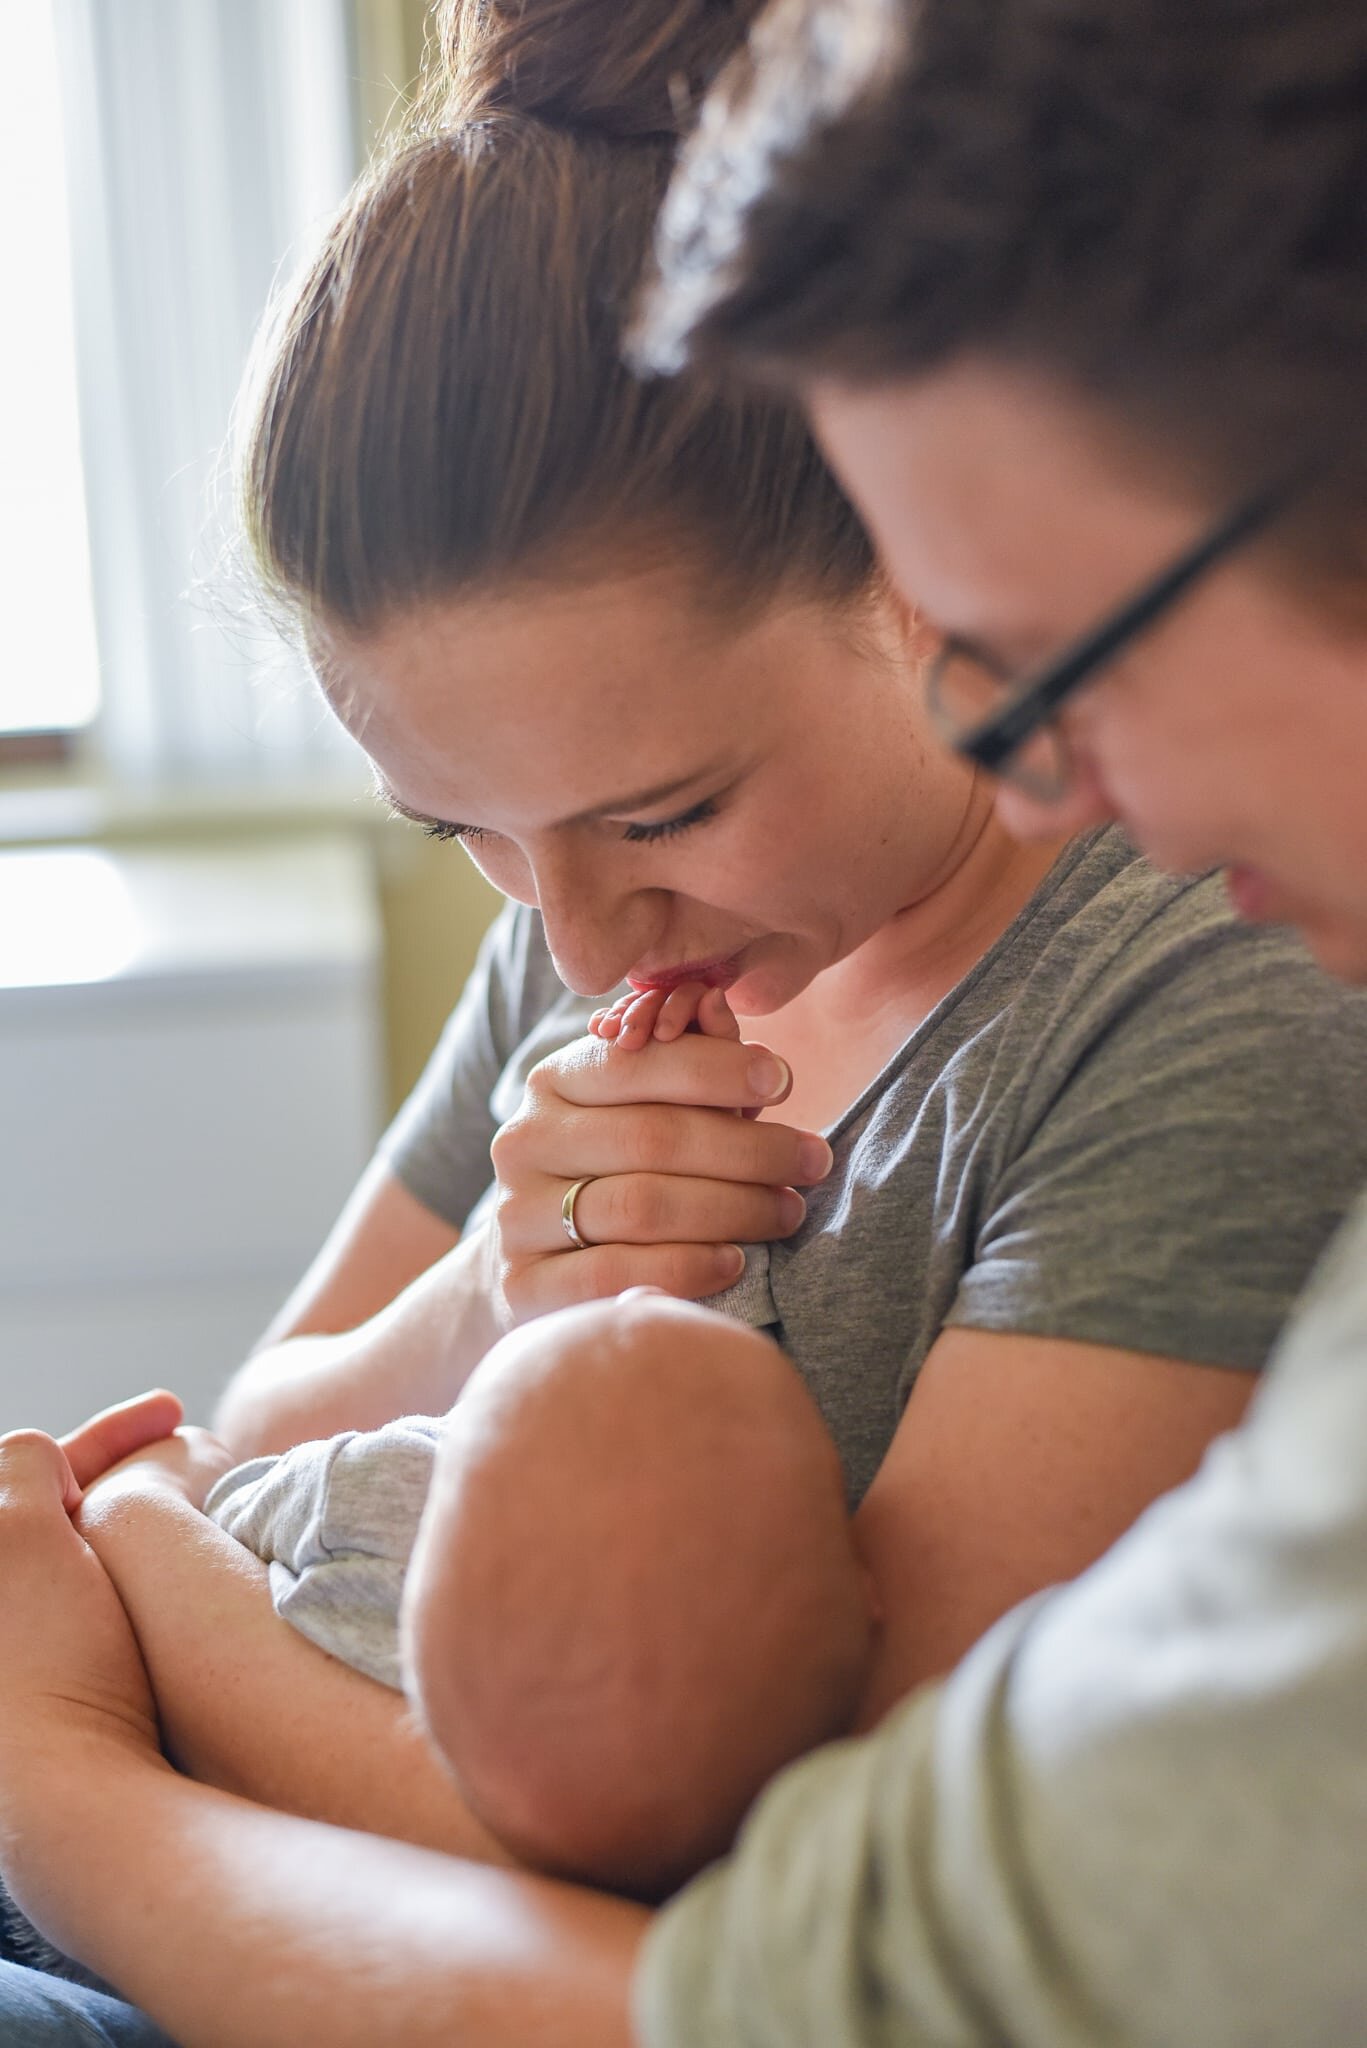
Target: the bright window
(49, 678)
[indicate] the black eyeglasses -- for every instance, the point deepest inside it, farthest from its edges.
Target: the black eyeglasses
(1006, 723)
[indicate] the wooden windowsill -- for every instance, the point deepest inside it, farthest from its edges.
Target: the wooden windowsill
(36, 749)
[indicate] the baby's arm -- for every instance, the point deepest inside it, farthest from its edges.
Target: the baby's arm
(247, 1704)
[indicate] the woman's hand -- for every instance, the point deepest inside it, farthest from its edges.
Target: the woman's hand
(678, 1177)
(116, 1433)
(71, 1667)
(187, 1463)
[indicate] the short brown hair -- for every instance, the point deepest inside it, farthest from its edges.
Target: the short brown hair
(1163, 203)
(443, 404)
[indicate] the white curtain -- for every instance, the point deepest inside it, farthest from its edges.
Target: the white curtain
(203, 138)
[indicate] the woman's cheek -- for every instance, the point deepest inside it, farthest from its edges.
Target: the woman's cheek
(504, 867)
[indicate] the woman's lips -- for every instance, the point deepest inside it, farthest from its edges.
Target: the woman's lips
(716, 974)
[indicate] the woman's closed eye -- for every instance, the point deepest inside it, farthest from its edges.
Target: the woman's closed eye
(436, 828)
(669, 828)
(637, 834)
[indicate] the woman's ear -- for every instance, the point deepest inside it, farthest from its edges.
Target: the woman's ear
(920, 640)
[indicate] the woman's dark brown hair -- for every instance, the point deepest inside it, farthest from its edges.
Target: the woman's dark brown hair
(1162, 203)
(442, 404)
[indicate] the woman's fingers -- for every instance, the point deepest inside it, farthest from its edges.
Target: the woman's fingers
(688, 1271)
(676, 1172)
(70, 1659)
(655, 1209)
(706, 1072)
(35, 1475)
(657, 1138)
(116, 1433)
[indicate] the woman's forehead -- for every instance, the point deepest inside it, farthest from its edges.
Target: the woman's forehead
(554, 705)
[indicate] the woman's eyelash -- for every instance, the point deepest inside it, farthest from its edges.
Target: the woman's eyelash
(435, 829)
(640, 835)
(668, 827)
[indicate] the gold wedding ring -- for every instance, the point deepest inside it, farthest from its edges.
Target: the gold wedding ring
(581, 1244)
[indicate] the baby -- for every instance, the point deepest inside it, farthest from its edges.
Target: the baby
(635, 1594)
(612, 1670)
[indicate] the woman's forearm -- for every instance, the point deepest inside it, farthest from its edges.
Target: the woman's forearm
(412, 1358)
(248, 1705)
(239, 1928)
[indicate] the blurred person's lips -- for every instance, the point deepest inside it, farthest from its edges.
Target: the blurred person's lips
(716, 974)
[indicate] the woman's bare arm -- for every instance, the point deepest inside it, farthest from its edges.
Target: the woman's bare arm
(247, 1704)
(239, 1928)
(390, 1319)
(233, 1926)
(1018, 1462)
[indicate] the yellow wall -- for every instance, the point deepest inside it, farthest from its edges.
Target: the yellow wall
(435, 906)
(389, 36)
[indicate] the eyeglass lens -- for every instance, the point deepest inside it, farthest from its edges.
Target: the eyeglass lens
(965, 693)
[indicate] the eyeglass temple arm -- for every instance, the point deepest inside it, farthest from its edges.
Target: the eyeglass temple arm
(999, 735)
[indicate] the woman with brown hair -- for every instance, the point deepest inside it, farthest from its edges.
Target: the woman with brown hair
(628, 643)
(694, 741)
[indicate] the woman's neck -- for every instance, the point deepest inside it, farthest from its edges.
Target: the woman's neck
(982, 884)
(845, 1026)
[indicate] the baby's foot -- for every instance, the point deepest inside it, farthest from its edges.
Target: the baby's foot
(634, 1019)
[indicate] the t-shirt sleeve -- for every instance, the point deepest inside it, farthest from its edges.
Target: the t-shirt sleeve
(1194, 1131)
(514, 1010)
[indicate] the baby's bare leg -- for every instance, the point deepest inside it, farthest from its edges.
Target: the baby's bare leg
(248, 1705)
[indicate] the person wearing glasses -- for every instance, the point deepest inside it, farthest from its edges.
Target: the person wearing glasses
(659, 689)
(653, 680)
(1136, 1811)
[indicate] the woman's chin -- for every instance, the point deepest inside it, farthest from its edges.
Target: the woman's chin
(761, 991)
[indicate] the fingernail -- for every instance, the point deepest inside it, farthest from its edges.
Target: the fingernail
(791, 1209)
(814, 1157)
(732, 1261)
(769, 1076)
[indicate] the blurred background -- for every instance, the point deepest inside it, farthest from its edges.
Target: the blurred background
(221, 965)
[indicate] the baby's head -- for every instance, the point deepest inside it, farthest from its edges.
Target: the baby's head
(635, 1595)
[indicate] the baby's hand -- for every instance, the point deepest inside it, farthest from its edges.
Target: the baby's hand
(663, 1014)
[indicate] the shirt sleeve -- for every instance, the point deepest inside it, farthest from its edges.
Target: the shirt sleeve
(1194, 1131)
(1136, 1814)
(336, 1522)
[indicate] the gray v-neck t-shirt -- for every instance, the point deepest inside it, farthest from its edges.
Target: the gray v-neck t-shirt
(1135, 1122)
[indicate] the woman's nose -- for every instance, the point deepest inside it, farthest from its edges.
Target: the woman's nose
(595, 933)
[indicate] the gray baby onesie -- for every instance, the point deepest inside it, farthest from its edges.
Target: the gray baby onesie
(335, 1522)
